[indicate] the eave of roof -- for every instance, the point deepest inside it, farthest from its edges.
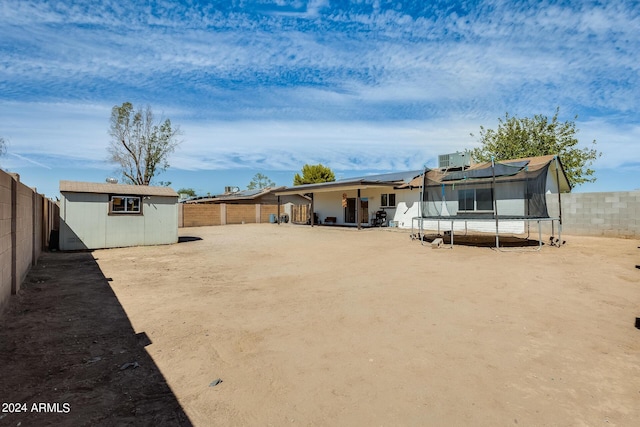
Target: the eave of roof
(333, 186)
(124, 189)
(395, 179)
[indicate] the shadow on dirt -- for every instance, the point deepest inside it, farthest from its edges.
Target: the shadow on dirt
(185, 239)
(70, 355)
(484, 241)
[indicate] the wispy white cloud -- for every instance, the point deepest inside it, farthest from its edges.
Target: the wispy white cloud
(33, 162)
(275, 84)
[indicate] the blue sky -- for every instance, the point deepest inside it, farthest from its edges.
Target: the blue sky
(267, 86)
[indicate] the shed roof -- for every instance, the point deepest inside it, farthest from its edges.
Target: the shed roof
(124, 189)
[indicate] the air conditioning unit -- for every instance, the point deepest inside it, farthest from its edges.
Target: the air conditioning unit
(454, 160)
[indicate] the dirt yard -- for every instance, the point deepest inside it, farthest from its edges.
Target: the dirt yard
(327, 326)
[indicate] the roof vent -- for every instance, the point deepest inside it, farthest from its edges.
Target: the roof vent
(111, 180)
(454, 160)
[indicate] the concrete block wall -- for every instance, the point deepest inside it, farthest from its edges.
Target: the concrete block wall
(239, 214)
(24, 231)
(267, 210)
(611, 214)
(5, 238)
(199, 215)
(26, 222)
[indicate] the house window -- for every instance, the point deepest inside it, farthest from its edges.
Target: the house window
(475, 199)
(125, 205)
(387, 200)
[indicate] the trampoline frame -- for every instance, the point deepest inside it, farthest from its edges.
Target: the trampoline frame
(420, 227)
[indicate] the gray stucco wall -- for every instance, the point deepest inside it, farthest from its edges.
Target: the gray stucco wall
(614, 214)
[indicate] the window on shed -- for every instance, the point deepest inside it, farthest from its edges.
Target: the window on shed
(125, 205)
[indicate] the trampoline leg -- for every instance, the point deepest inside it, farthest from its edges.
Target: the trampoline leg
(452, 234)
(540, 235)
(559, 232)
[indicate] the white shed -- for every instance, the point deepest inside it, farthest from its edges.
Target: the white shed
(95, 216)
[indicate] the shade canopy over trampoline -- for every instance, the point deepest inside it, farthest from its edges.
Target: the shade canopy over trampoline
(501, 191)
(511, 189)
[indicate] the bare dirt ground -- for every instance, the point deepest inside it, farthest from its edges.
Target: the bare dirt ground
(328, 326)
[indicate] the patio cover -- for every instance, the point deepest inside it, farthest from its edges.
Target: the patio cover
(396, 179)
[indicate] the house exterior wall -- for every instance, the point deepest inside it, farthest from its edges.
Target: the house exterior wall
(86, 223)
(329, 204)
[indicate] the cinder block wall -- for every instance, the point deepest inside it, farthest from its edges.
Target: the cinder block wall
(612, 214)
(198, 215)
(5, 237)
(238, 214)
(24, 231)
(266, 211)
(26, 221)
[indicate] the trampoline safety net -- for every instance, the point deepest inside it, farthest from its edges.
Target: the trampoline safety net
(514, 190)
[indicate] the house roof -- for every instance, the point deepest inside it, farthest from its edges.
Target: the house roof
(124, 189)
(505, 168)
(381, 180)
(237, 196)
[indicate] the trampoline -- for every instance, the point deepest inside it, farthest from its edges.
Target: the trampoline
(491, 194)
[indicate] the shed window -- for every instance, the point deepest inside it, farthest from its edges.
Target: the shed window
(387, 200)
(125, 205)
(475, 199)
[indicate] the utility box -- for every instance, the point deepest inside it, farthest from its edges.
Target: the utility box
(454, 160)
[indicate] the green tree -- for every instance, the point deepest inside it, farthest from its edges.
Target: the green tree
(260, 181)
(312, 174)
(538, 136)
(188, 191)
(139, 145)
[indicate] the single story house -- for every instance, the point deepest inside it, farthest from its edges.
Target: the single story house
(259, 196)
(361, 201)
(435, 197)
(96, 215)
